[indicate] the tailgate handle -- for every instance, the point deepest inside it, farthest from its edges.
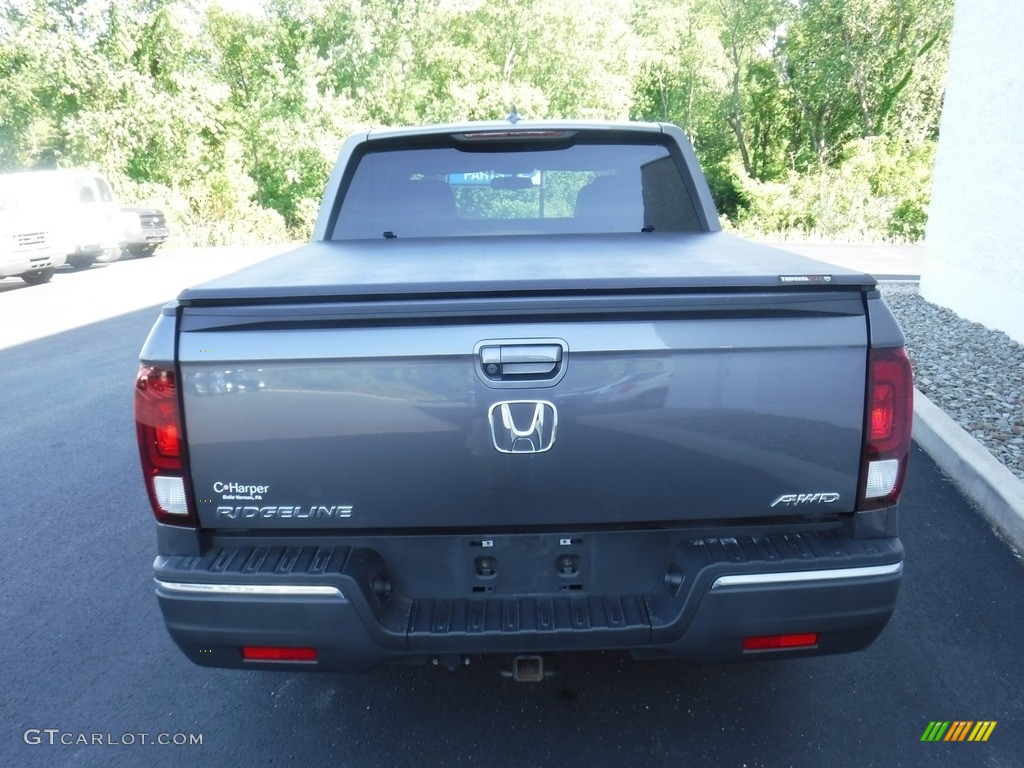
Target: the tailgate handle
(521, 361)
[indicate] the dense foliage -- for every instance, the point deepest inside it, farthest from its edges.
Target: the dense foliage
(811, 117)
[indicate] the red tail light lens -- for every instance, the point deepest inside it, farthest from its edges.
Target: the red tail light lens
(158, 423)
(888, 429)
(168, 440)
(882, 411)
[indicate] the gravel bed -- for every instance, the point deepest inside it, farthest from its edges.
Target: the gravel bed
(972, 373)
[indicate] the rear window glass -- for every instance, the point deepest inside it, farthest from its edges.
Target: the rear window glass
(105, 194)
(86, 192)
(491, 190)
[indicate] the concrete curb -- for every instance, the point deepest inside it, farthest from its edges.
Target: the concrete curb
(993, 488)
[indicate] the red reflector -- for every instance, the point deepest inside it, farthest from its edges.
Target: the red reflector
(770, 642)
(275, 653)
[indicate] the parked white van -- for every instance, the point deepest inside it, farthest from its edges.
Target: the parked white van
(82, 211)
(29, 248)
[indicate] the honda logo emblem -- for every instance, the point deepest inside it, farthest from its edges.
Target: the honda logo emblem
(523, 426)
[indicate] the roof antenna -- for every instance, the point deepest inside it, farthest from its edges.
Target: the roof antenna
(513, 116)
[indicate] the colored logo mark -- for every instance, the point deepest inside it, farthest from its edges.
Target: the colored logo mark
(958, 730)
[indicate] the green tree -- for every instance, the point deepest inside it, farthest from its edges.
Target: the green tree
(749, 31)
(859, 68)
(280, 107)
(232, 120)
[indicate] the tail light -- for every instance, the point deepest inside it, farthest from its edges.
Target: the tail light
(161, 445)
(890, 412)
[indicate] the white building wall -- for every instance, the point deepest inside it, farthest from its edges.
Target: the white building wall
(974, 241)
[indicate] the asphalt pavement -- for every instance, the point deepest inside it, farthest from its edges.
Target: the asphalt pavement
(86, 659)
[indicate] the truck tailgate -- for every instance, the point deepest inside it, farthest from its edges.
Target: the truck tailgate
(604, 408)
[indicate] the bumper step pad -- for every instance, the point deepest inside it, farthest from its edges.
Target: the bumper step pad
(497, 616)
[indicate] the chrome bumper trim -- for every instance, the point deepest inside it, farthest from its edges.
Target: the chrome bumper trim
(250, 589)
(834, 574)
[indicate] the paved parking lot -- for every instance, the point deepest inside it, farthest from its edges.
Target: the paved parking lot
(84, 651)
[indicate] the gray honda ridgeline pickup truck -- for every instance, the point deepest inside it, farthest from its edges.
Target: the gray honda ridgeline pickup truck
(520, 395)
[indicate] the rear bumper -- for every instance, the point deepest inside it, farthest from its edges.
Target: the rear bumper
(846, 607)
(145, 236)
(93, 249)
(17, 263)
(710, 595)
